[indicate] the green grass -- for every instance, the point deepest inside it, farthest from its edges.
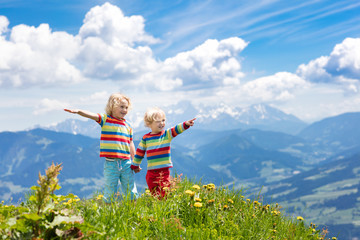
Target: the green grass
(191, 210)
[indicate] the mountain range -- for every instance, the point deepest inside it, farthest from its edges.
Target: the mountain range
(312, 170)
(215, 118)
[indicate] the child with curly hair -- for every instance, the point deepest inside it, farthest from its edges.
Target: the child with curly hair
(156, 145)
(116, 145)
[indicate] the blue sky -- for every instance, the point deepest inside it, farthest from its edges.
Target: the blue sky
(302, 57)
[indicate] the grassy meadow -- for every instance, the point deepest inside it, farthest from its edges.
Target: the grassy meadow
(191, 210)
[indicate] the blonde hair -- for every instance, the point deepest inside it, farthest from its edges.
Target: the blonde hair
(114, 101)
(151, 115)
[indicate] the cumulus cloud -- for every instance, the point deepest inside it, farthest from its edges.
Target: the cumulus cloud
(111, 46)
(276, 87)
(342, 66)
(109, 23)
(47, 105)
(105, 48)
(213, 63)
(36, 56)
(345, 59)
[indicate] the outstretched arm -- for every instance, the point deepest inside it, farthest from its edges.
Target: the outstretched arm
(83, 113)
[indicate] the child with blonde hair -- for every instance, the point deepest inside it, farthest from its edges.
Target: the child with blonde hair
(156, 145)
(116, 145)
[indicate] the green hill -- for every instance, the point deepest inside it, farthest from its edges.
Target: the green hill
(190, 211)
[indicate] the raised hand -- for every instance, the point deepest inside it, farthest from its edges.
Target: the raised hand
(190, 122)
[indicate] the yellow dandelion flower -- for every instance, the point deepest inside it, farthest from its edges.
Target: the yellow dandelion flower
(230, 200)
(300, 218)
(275, 213)
(100, 196)
(334, 238)
(226, 206)
(198, 204)
(190, 193)
(197, 199)
(196, 187)
(256, 203)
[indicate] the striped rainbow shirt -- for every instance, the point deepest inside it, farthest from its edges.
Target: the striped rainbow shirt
(116, 136)
(157, 148)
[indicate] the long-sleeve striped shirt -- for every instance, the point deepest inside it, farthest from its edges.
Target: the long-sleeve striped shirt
(116, 136)
(157, 148)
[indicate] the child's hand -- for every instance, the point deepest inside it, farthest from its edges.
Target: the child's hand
(190, 122)
(136, 169)
(71, 110)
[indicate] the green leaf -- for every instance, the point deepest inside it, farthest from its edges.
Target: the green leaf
(32, 198)
(70, 195)
(21, 226)
(64, 219)
(35, 188)
(32, 216)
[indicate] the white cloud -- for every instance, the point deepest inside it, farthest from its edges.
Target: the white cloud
(314, 71)
(117, 62)
(342, 66)
(211, 64)
(104, 49)
(36, 56)
(100, 95)
(345, 59)
(4, 23)
(109, 23)
(276, 87)
(108, 48)
(48, 105)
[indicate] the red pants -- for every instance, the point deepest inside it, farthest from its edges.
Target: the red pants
(157, 180)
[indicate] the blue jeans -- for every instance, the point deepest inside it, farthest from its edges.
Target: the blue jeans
(113, 172)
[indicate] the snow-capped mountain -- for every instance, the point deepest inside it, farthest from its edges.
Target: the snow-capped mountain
(87, 128)
(215, 118)
(260, 116)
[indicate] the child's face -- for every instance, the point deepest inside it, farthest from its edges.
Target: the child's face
(158, 124)
(120, 111)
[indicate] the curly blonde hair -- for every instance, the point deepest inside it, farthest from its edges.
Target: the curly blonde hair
(152, 114)
(114, 101)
